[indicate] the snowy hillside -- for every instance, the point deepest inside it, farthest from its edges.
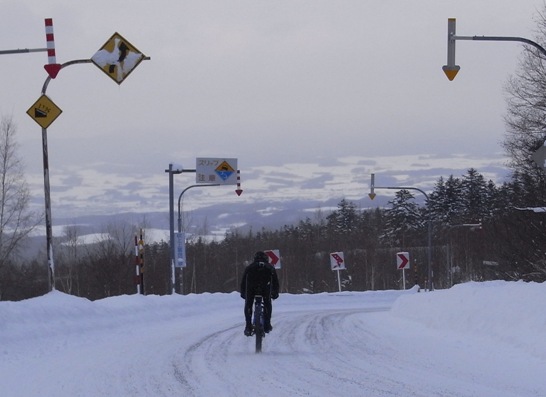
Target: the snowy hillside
(476, 339)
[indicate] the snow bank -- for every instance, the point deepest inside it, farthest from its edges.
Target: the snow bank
(511, 312)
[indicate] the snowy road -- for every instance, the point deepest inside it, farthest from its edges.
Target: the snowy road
(349, 344)
(304, 356)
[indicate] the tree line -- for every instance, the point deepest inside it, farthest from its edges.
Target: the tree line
(480, 231)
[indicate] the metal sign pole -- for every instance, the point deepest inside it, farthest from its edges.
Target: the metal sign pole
(171, 224)
(171, 170)
(44, 111)
(47, 189)
(49, 231)
(429, 284)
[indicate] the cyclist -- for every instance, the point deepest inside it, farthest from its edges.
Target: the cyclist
(259, 278)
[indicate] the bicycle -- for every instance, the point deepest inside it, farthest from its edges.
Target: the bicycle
(258, 322)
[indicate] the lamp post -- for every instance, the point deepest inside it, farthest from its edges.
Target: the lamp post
(180, 230)
(47, 188)
(429, 285)
(180, 198)
(45, 118)
(44, 112)
(207, 170)
(172, 171)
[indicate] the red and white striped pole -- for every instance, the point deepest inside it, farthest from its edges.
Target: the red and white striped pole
(52, 67)
(238, 190)
(137, 265)
(141, 261)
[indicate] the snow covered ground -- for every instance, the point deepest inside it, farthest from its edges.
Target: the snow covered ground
(476, 339)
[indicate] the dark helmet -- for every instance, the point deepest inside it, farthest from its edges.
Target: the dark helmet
(261, 256)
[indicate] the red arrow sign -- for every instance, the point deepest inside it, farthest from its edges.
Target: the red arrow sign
(337, 261)
(402, 260)
(273, 258)
(52, 69)
(337, 258)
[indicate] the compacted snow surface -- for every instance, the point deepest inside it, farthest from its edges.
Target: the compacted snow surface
(475, 339)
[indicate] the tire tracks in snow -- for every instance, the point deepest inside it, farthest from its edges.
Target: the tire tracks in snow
(304, 355)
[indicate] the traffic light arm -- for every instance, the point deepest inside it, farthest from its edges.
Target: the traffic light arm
(451, 69)
(502, 38)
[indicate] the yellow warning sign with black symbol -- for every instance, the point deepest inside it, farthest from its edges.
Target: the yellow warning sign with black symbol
(117, 58)
(44, 111)
(224, 170)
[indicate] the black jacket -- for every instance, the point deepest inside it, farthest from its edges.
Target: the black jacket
(260, 278)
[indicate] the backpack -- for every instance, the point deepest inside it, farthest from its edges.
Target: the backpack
(259, 278)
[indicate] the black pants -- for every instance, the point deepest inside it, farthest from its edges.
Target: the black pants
(268, 308)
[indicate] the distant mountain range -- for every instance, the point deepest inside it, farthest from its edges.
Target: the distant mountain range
(211, 221)
(273, 197)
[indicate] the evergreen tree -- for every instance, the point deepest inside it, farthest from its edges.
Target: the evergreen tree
(344, 221)
(402, 219)
(475, 196)
(445, 202)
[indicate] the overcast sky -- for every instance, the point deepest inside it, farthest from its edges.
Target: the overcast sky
(310, 96)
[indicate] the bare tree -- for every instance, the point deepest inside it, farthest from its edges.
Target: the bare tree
(68, 264)
(16, 220)
(526, 104)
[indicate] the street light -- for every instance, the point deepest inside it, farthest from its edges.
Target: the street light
(44, 112)
(172, 171)
(180, 231)
(201, 170)
(47, 188)
(429, 221)
(180, 198)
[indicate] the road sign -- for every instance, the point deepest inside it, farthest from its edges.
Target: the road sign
(216, 170)
(44, 111)
(180, 249)
(402, 260)
(337, 261)
(117, 58)
(539, 157)
(274, 258)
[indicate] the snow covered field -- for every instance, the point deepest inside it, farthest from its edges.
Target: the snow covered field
(476, 339)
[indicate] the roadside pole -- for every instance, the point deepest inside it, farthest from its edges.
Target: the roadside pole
(44, 111)
(430, 284)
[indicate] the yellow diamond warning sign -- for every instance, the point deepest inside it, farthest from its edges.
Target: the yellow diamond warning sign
(224, 170)
(44, 111)
(117, 58)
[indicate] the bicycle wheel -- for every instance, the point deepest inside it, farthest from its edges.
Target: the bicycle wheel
(259, 324)
(259, 338)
